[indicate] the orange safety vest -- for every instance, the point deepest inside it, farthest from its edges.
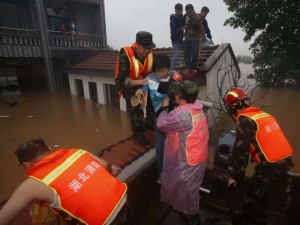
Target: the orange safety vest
(137, 69)
(269, 136)
(197, 140)
(84, 187)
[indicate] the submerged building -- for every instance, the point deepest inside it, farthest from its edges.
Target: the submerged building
(38, 40)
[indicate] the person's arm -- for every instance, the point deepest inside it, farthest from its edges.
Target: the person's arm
(124, 70)
(199, 25)
(113, 170)
(27, 192)
(245, 132)
(206, 29)
(173, 121)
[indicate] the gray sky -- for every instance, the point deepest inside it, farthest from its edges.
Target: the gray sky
(124, 18)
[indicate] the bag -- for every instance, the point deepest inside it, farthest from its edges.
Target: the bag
(188, 74)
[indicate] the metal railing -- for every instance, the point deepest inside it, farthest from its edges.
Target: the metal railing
(16, 36)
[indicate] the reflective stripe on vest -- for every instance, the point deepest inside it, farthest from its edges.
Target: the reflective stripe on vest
(55, 173)
(137, 70)
(270, 138)
(84, 187)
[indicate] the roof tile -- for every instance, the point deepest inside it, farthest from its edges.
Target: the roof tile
(106, 60)
(126, 151)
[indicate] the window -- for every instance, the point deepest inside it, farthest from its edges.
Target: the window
(8, 14)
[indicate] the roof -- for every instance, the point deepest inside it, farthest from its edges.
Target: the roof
(105, 61)
(130, 156)
(126, 151)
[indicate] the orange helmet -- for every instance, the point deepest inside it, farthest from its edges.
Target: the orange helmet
(236, 96)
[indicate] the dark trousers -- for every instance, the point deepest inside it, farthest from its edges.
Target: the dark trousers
(159, 147)
(190, 51)
(254, 206)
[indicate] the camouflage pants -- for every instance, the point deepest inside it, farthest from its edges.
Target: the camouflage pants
(137, 120)
(254, 206)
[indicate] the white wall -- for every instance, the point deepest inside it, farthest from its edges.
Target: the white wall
(218, 81)
(100, 82)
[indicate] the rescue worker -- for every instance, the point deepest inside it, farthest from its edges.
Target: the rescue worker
(259, 137)
(69, 180)
(133, 64)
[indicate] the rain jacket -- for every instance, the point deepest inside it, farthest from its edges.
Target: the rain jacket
(186, 148)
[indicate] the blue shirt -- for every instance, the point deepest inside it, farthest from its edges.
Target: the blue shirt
(153, 84)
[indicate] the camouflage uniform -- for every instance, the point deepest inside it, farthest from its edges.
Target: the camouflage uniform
(265, 176)
(136, 114)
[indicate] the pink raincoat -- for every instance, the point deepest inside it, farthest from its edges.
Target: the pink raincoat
(185, 154)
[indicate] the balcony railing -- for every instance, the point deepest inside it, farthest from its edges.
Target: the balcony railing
(15, 36)
(80, 40)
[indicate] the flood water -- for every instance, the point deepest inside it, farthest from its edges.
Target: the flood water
(63, 120)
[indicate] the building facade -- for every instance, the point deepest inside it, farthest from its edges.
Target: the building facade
(39, 38)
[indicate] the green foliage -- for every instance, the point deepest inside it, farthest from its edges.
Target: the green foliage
(276, 49)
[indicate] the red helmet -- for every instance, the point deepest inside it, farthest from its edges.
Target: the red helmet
(235, 96)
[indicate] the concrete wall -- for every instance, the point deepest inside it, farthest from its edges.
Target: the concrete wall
(219, 79)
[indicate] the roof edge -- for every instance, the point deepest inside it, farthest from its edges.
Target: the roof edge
(212, 60)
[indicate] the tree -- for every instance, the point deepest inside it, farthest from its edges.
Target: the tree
(276, 49)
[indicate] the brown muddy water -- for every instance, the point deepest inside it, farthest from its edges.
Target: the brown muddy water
(63, 120)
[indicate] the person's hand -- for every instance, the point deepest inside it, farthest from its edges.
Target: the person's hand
(138, 92)
(231, 183)
(115, 170)
(165, 102)
(184, 27)
(144, 82)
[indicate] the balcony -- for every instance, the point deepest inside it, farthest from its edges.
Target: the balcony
(81, 41)
(19, 43)
(28, 43)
